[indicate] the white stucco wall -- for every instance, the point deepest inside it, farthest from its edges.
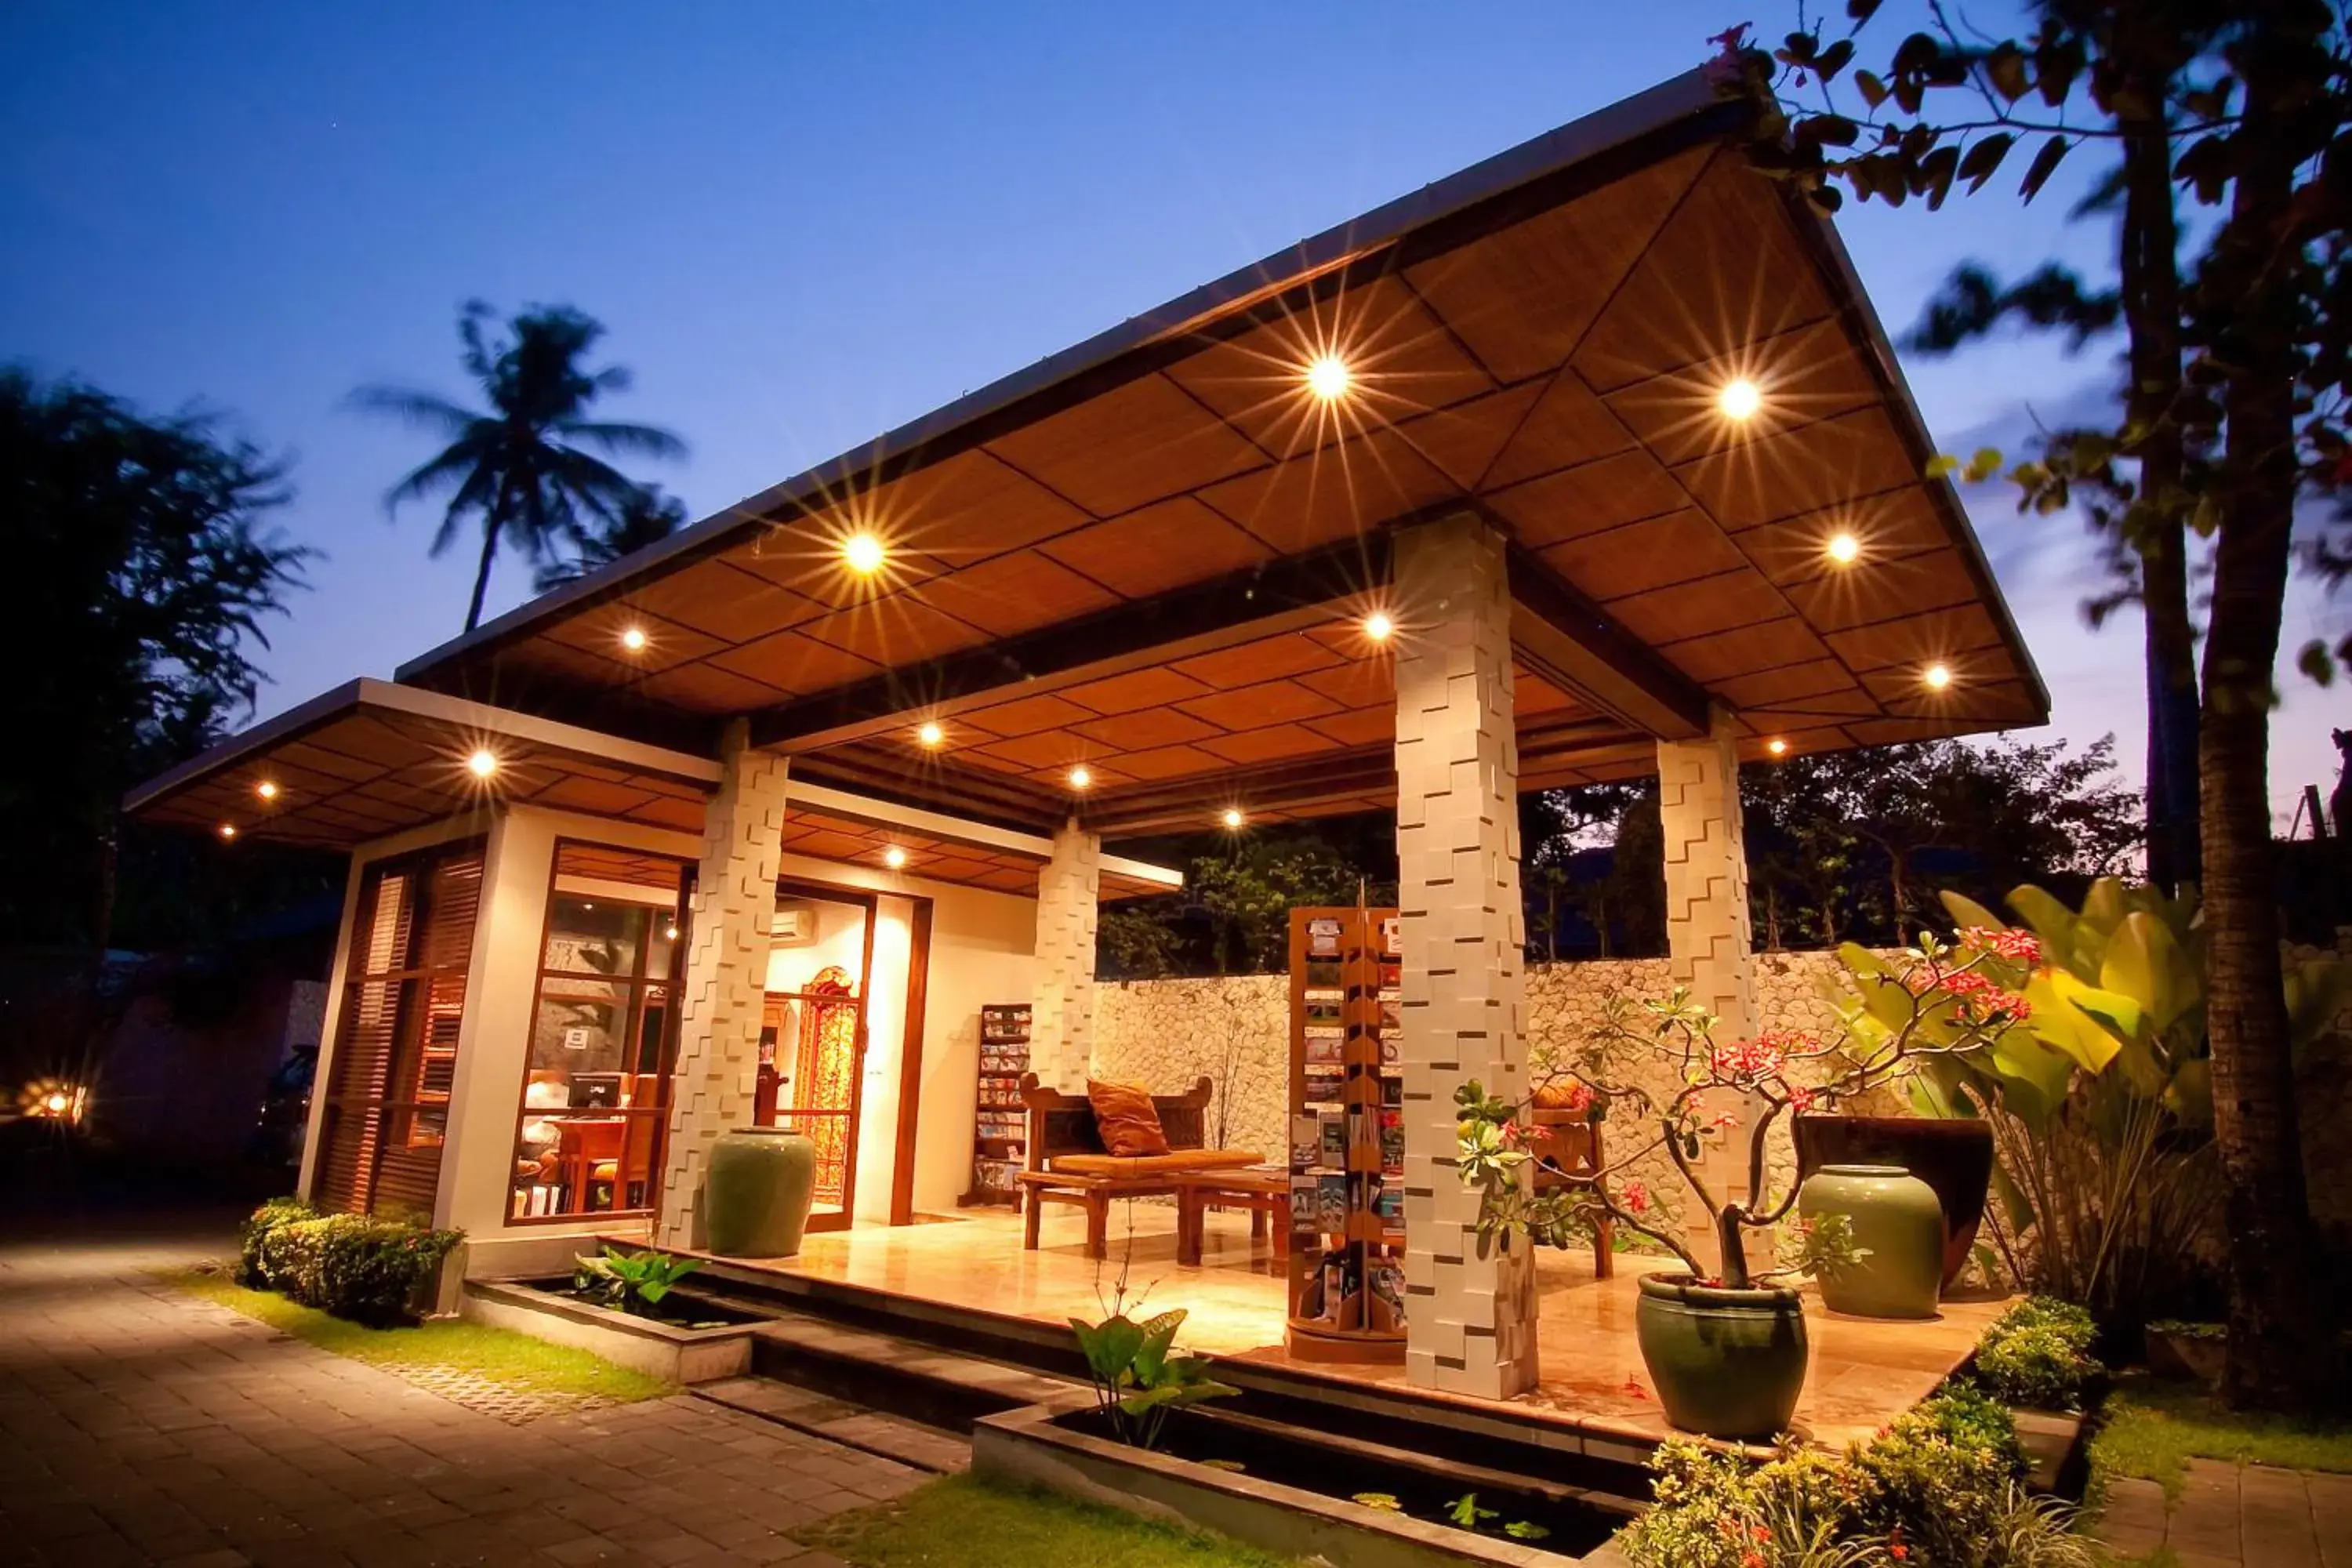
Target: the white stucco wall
(982, 947)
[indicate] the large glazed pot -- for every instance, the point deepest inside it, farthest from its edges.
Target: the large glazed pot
(1955, 1157)
(1729, 1364)
(756, 1194)
(1897, 1222)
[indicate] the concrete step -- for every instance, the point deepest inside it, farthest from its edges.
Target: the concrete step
(852, 1426)
(942, 1388)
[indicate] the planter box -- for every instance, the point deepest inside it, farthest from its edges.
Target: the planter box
(1030, 1447)
(2188, 1357)
(656, 1349)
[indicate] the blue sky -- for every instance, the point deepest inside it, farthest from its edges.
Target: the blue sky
(804, 224)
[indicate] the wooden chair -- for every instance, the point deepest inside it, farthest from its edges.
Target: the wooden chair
(1068, 1164)
(1568, 1151)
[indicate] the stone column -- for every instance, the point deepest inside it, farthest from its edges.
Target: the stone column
(1062, 1013)
(725, 975)
(1469, 1319)
(1707, 940)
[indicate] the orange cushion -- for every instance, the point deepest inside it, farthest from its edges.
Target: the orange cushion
(1153, 1164)
(1126, 1119)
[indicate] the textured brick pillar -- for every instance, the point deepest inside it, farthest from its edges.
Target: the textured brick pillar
(1707, 944)
(1062, 1014)
(1470, 1321)
(725, 975)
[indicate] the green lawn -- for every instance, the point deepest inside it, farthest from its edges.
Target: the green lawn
(961, 1522)
(516, 1359)
(2154, 1429)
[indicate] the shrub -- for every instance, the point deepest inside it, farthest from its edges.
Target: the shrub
(1941, 1485)
(255, 1231)
(2038, 1354)
(354, 1266)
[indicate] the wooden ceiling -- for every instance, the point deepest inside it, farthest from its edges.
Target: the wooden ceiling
(1148, 554)
(370, 760)
(356, 771)
(824, 836)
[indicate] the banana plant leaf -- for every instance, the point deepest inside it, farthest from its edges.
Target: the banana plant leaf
(1967, 913)
(2035, 1077)
(2316, 991)
(2143, 963)
(2056, 925)
(2058, 1023)
(2190, 1096)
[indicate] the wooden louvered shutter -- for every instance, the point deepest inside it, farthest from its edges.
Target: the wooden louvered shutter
(395, 1057)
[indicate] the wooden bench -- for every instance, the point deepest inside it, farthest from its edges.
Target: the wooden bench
(1567, 1148)
(1068, 1164)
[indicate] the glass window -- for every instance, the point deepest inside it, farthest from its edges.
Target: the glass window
(596, 1079)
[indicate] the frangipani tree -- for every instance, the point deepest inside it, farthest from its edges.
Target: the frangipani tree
(1956, 1011)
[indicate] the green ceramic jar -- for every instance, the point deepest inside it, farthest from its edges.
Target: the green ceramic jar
(1729, 1364)
(756, 1194)
(1898, 1221)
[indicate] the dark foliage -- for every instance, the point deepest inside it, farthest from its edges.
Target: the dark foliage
(156, 575)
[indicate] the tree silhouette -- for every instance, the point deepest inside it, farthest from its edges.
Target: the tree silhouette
(158, 572)
(647, 518)
(522, 466)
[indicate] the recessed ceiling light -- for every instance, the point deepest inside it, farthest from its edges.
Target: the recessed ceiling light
(1328, 377)
(894, 856)
(1234, 817)
(863, 553)
(1740, 399)
(930, 734)
(267, 789)
(482, 763)
(229, 830)
(1380, 625)
(1777, 746)
(633, 640)
(1081, 776)
(1844, 549)
(1937, 676)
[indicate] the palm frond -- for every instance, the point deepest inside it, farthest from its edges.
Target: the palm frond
(429, 410)
(622, 439)
(439, 471)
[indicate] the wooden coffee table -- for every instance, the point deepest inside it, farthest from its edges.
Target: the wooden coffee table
(1266, 1193)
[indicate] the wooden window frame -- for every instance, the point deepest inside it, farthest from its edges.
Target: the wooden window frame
(640, 982)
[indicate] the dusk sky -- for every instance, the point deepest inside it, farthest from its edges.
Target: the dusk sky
(805, 224)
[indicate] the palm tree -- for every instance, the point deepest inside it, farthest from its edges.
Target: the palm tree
(646, 518)
(520, 467)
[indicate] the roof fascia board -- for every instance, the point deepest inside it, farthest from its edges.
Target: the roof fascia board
(488, 721)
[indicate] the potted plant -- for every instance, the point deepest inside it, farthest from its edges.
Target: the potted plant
(1726, 1351)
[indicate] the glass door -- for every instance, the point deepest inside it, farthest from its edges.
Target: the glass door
(813, 1036)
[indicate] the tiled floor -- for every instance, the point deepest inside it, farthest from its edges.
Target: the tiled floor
(2234, 1516)
(139, 1425)
(1863, 1372)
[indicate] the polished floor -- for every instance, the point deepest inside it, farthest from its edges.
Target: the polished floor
(1863, 1372)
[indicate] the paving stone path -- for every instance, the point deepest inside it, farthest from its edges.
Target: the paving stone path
(2233, 1516)
(141, 1426)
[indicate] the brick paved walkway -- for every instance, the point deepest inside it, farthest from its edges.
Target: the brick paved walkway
(2232, 1516)
(140, 1426)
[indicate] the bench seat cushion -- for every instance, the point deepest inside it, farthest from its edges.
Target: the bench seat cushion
(1168, 1164)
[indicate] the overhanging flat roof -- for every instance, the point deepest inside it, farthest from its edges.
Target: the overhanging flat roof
(371, 758)
(1148, 555)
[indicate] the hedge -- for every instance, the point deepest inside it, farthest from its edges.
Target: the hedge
(354, 1266)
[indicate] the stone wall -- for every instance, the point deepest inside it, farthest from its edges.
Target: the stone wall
(1164, 1034)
